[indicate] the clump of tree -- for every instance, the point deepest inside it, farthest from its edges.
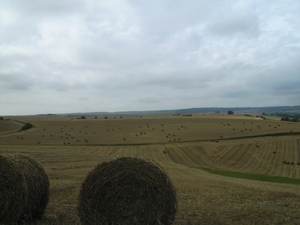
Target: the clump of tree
(1, 118)
(285, 116)
(230, 112)
(290, 119)
(262, 117)
(27, 126)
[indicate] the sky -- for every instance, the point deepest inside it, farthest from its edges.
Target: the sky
(123, 55)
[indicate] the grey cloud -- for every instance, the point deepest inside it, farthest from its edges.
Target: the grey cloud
(45, 8)
(246, 25)
(150, 99)
(16, 81)
(24, 18)
(132, 55)
(163, 19)
(288, 87)
(237, 93)
(84, 98)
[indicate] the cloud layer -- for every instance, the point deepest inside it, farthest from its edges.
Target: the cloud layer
(93, 55)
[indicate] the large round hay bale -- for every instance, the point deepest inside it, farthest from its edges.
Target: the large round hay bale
(24, 188)
(127, 191)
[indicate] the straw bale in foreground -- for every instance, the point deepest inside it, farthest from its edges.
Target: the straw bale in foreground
(24, 188)
(127, 191)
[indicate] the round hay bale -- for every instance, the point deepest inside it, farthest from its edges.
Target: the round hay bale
(127, 191)
(24, 189)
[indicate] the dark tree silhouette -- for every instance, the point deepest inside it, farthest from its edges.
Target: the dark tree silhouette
(27, 126)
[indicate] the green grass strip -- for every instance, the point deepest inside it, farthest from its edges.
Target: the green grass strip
(259, 177)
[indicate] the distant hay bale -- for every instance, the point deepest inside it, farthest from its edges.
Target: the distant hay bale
(24, 189)
(127, 191)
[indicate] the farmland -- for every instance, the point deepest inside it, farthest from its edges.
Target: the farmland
(195, 151)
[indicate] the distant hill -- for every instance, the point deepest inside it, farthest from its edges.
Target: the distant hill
(243, 110)
(211, 110)
(49, 114)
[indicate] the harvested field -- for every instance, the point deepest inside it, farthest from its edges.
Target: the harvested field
(8, 126)
(203, 198)
(146, 130)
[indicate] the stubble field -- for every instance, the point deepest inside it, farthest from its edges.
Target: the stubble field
(186, 147)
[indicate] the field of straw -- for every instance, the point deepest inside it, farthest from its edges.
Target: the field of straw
(187, 148)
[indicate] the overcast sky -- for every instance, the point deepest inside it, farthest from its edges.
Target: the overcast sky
(114, 55)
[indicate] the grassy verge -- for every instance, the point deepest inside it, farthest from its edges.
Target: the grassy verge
(259, 177)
